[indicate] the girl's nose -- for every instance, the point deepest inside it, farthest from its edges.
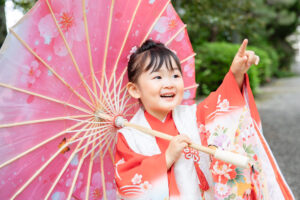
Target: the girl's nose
(168, 83)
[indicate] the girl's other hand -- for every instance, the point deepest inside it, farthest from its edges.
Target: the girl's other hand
(174, 150)
(242, 62)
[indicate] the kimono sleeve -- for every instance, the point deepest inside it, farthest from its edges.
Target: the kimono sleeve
(135, 173)
(226, 99)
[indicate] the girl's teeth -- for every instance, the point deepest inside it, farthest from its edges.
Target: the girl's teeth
(170, 95)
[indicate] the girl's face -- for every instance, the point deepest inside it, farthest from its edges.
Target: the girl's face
(160, 91)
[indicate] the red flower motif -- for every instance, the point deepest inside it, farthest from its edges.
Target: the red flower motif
(222, 172)
(190, 153)
(255, 157)
(204, 134)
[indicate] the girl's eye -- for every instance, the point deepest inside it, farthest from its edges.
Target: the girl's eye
(157, 77)
(176, 75)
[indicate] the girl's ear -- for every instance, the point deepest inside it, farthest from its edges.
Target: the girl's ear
(133, 90)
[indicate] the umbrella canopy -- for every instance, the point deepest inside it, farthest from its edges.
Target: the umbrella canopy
(60, 65)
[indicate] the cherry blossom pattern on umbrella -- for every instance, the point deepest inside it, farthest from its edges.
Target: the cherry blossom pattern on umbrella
(62, 65)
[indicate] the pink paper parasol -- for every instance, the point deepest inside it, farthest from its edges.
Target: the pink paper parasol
(60, 65)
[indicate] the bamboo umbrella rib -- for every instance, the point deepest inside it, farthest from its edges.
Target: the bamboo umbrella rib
(29, 181)
(103, 177)
(111, 154)
(107, 144)
(110, 139)
(39, 145)
(51, 69)
(146, 36)
(69, 51)
(94, 133)
(109, 98)
(115, 95)
(119, 94)
(104, 104)
(191, 87)
(107, 41)
(96, 122)
(125, 103)
(106, 135)
(74, 131)
(42, 121)
(124, 41)
(129, 107)
(101, 139)
(89, 46)
(175, 35)
(132, 104)
(110, 151)
(78, 170)
(155, 21)
(66, 165)
(187, 58)
(45, 97)
(104, 97)
(121, 78)
(106, 100)
(89, 176)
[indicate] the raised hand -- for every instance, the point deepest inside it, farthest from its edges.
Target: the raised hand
(242, 62)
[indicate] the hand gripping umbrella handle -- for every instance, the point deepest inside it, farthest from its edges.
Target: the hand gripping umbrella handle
(226, 156)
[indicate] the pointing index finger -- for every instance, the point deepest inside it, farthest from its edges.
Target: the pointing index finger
(242, 48)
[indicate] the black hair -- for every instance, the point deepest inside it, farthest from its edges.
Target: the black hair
(158, 54)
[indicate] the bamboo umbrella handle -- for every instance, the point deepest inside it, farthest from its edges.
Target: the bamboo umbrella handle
(168, 137)
(229, 157)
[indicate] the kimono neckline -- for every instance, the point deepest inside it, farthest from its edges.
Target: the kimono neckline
(151, 119)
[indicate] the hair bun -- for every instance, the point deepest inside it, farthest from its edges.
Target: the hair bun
(149, 44)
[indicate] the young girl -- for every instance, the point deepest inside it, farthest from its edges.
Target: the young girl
(152, 168)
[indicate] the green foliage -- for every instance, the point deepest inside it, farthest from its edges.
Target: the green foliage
(24, 5)
(213, 62)
(262, 22)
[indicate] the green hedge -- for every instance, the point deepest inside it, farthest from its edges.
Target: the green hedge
(213, 61)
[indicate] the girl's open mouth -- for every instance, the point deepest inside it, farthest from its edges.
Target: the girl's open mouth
(167, 95)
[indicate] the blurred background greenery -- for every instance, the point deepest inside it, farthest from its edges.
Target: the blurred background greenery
(216, 28)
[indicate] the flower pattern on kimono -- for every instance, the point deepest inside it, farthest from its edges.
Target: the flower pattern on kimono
(247, 132)
(70, 21)
(204, 133)
(224, 105)
(190, 153)
(220, 137)
(168, 22)
(137, 179)
(146, 186)
(31, 73)
(222, 190)
(222, 172)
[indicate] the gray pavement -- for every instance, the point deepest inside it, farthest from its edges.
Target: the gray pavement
(279, 106)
